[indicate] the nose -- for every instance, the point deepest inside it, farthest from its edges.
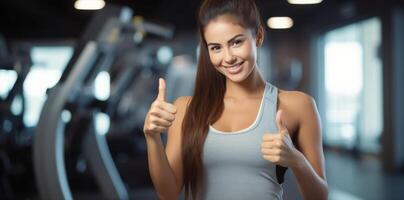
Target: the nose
(229, 58)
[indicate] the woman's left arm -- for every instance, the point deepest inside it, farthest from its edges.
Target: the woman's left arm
(309, 166)
(307, 160)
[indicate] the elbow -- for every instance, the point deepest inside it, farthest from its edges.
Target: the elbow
(325, 192)
(168, 194)
(167, 190)
(325, 195)
(321, 193)
(163, 197)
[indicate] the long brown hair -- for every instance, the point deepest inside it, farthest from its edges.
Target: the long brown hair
(207, 105)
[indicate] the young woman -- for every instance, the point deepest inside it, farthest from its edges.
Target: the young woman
(234, 138)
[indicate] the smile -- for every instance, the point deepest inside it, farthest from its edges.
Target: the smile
(236, 65)
(234, 68)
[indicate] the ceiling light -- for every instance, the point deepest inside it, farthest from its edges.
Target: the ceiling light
(89, 4)
(304, 1)
(280, 22)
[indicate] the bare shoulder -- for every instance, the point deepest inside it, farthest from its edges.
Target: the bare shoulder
(182, 104)
(297, 106)
(183, 101)
(295, 98)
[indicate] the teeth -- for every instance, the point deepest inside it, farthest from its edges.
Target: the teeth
(235, 66)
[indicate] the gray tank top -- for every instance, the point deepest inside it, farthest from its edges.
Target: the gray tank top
(233, 163)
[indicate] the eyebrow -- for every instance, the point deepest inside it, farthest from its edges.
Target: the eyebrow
(230, 41)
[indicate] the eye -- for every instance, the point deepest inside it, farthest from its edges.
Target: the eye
(236, 42)
(215, 48)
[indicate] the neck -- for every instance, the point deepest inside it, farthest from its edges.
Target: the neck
(252, 86)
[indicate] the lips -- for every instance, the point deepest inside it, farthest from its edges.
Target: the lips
(234, 68)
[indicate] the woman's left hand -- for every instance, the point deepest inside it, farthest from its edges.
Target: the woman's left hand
(278, 147)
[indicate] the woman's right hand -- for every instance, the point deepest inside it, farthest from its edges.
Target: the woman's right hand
(160, 115)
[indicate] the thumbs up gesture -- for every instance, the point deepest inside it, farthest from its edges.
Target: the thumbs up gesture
(161, 114)
(278, 147)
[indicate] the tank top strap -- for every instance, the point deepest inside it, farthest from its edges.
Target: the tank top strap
(272, 93)
(271, 100)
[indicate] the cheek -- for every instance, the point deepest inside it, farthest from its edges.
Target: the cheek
(252, 51)
(247, 52)
(215, 59)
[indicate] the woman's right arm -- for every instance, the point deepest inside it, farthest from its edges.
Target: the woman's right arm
(165, 166)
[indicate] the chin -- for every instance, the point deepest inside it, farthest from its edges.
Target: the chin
(237, 78)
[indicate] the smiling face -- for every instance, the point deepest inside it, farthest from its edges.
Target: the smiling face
(232, 47)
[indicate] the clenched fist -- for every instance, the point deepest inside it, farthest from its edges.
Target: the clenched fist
(160, 115)
(278, 147)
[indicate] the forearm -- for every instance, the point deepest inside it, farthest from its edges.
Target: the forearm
(311, 185)
(162, 175)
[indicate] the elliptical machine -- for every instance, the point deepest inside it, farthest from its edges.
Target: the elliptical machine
(95, 52)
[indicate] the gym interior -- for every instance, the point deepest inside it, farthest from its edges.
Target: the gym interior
(77, 78)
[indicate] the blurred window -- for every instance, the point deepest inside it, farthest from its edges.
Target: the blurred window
(48, 65)
(353, 86)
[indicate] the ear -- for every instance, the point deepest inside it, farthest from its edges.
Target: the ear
(260, 37)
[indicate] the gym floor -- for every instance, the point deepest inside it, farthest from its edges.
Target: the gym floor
(352, 178)
(349, 178)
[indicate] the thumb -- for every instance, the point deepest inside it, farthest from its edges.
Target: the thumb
(279, 122)
(162, 90)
